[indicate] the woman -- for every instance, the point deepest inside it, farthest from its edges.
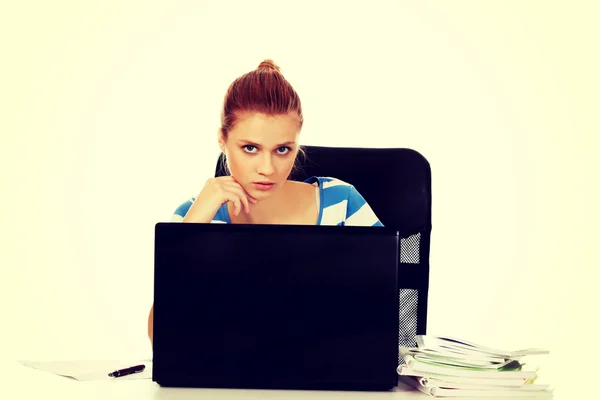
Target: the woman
(261, 121)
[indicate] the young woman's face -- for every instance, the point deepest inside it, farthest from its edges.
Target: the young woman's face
(260, 152)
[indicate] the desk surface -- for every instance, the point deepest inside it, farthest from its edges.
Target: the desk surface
(27, 383)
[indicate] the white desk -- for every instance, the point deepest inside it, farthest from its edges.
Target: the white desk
(20, 382)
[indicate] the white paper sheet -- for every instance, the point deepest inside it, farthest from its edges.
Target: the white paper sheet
(91, 370)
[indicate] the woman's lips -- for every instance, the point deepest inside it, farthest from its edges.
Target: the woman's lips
(263, 185)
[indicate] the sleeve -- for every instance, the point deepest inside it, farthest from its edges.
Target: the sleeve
(358, 212)
(182, 210)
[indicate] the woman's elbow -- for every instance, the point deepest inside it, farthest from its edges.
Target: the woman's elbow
(151, 324)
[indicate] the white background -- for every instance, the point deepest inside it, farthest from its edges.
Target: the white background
(109, 112)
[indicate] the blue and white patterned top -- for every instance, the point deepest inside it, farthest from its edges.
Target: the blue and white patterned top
(339, 204)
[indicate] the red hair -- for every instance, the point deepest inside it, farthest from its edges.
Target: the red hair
(264, 91)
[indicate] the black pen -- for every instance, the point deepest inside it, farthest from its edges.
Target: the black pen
(127, 371)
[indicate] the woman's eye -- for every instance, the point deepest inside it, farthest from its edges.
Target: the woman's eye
(283, 150)
(249, 148)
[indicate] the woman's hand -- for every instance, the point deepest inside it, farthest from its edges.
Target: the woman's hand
(216, 192)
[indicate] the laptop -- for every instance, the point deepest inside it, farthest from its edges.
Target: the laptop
(275, 307)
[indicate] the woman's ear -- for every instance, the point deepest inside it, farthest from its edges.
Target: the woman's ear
(221, 140)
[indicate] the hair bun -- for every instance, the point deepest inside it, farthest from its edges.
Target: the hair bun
(268, 65)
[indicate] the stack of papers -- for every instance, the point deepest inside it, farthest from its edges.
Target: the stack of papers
(448, 367)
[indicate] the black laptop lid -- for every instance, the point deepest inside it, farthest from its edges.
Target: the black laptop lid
(267, 306)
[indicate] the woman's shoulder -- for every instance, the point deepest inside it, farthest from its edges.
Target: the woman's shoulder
(342, 204)
(181, 210)
(332, 190)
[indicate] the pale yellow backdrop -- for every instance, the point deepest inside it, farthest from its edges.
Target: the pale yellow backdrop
(108, 121)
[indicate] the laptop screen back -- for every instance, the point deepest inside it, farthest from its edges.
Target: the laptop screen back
(249, 306)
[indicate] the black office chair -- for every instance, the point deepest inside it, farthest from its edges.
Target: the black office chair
(396, 183)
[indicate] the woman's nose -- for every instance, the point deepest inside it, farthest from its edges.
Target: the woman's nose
(266, 165)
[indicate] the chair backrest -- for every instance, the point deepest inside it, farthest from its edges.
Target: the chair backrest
(396, 182)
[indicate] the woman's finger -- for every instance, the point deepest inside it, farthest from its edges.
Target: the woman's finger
(246, 198)
(237, 207)
(232, 197)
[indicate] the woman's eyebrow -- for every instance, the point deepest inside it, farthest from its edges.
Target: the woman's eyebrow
(288, 143)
